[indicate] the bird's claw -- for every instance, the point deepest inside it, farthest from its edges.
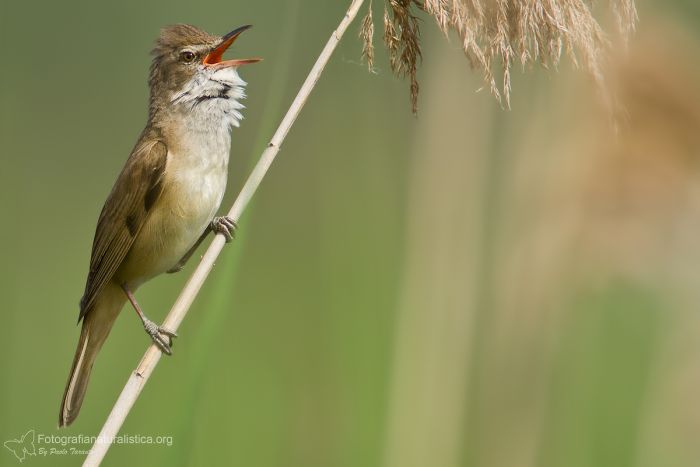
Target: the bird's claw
(225, 226)
(162, 337)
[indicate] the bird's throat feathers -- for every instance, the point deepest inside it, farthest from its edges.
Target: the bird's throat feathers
(211, 98)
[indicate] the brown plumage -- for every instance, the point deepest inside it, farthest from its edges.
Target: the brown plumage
(132, 197)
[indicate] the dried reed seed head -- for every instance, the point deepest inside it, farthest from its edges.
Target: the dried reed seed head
(402, 39)
(504, 32)
(367, 37)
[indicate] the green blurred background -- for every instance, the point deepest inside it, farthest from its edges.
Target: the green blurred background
(471, 287)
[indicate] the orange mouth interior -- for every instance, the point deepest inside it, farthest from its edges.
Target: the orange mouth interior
(214, 58)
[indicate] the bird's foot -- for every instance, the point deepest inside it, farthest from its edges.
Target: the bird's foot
(224, 225)
(162, 337)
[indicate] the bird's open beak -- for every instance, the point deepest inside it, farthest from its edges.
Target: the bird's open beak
(213, 58)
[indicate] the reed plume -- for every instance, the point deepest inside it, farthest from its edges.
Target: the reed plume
(367, 37)
(496, 34)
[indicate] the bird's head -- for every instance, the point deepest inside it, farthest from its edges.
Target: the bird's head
(188, 70)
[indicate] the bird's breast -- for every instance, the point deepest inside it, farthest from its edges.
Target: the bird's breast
(194, 183)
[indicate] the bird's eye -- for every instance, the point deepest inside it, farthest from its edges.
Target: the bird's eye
(187, 56)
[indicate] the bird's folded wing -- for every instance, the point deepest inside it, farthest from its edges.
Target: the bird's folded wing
(136, 190)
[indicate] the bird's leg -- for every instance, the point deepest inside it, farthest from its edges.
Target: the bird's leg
(224, 224)
(157, 333)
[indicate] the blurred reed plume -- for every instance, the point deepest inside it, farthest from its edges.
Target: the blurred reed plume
(367, 36)
(495, 34)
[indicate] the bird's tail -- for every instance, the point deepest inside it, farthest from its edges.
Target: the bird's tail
(96, 326)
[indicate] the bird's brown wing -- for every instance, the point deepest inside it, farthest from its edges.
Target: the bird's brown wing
(136, 190)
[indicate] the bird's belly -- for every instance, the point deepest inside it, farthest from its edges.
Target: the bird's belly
(182, 213)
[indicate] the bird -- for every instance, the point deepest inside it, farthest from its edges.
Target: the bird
(164, 201)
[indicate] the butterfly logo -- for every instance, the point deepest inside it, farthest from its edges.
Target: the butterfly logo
(23, 446)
